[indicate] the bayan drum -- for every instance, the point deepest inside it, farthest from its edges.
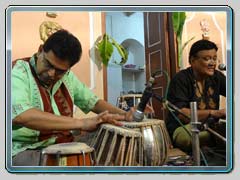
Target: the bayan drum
(117, 146)
(68, 154)
(156, 140)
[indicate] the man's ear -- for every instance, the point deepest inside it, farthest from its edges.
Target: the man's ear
(40, 48)
(191, 59)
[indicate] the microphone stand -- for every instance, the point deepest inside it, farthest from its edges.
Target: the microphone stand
(195, 126)
(216, 134)
(195, 134)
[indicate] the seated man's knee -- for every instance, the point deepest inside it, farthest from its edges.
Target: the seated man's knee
(182, 140)
(183, 143)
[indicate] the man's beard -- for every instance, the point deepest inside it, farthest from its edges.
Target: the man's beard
(45, 80)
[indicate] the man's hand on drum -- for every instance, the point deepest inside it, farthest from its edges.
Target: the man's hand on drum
(92, 124)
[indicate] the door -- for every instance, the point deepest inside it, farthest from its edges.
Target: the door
(159, 52)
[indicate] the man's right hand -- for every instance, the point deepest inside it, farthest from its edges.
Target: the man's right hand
(220, 114)
(91, 124)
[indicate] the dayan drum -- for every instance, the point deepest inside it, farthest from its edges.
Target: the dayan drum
(117, 146)
(155, 139)
(68, 154)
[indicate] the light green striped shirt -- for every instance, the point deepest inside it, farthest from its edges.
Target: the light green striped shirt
(26, 95)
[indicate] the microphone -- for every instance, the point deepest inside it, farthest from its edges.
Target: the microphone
(138, 115)
(222, 67)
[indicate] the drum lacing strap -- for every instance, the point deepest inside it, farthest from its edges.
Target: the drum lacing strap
(140, 151)
(83, 152)
(111, 149)
(43, 158)
(102, 146)
(93, 155)
(123, 150)
(119, 155)
(131, 150)
(96, 138)
(42, 155)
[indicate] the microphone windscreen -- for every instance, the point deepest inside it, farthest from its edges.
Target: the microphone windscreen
(222, 67)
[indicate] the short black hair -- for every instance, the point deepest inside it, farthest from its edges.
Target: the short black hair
(64, 45)
(201, 45)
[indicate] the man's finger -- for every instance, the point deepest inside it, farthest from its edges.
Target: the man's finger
(102, 114)
(117, 123)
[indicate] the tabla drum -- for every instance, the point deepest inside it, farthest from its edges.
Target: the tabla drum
(68, 154)
(117, 146)
(155, 139)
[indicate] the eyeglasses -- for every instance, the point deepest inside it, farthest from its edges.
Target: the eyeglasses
(208, 59)
(48, 65)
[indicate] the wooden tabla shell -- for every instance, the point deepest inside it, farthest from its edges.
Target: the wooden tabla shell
(156, 140)
(117, 146)
(68, 154)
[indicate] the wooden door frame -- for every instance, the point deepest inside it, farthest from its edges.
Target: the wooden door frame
(105, 88)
